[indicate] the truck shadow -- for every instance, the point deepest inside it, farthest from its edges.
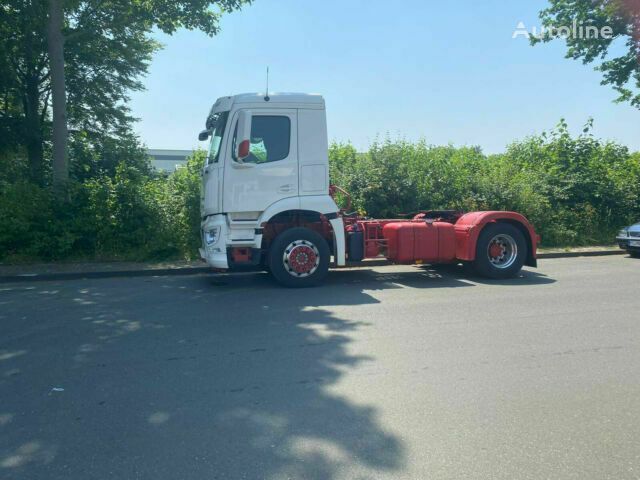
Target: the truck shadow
(344, 284)
(367, 278)
(526, 277)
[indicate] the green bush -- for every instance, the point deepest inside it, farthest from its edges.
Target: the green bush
(576, 191)
(130, 214)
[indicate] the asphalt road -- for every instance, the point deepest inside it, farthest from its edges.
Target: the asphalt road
(392, 372)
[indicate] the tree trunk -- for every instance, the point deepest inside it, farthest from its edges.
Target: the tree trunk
(33, 130)
(55, 41)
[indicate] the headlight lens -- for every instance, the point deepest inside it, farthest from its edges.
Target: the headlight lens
(211, 235)
(623, 233)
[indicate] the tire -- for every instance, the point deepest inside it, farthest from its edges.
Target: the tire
(633, 253)
(500, 252)
(306, 269)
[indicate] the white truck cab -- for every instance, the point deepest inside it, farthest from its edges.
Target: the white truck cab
(267, 161)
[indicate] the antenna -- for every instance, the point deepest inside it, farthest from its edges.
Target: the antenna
(266, 95)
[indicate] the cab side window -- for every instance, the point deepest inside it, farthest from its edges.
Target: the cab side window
(270, 138)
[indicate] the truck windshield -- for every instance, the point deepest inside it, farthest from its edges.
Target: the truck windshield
(220, 122)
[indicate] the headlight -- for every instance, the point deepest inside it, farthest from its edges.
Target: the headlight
(623, 233)
(211, 235)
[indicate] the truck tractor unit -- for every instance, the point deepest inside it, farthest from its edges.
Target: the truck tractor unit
(267, 204)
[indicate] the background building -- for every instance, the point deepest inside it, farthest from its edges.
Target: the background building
(168, 160)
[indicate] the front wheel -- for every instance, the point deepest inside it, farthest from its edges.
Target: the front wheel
(500, 252)
(299, 257)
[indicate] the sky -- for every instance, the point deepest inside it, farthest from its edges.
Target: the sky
(446, 72)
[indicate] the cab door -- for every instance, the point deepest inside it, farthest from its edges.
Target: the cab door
(211, 183)
(210, 196)
(270, 172)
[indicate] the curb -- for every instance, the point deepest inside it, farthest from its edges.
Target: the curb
(594, 253)
(183, 271)
(41, 277)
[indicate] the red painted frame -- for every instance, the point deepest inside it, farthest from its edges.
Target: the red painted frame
(467, 230)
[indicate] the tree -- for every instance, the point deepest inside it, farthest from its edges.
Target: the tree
(24, 81)
(105, 47)
(605, 31)
(55, 44)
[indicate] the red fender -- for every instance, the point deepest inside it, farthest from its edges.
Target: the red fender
(469, 226)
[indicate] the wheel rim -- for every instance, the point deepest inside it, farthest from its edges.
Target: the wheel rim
(301, 258)
(502, 251)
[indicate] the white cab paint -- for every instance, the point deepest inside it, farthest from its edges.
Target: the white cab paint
(211, 188)
(313, 152)
(238, 197)
(338, 233)
(254, 186)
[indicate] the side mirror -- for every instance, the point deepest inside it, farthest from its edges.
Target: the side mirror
(203, 135)
(243, 137)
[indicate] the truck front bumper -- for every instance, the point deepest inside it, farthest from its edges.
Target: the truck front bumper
(213, 234)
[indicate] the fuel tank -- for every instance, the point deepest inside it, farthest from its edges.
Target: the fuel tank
(411, 241)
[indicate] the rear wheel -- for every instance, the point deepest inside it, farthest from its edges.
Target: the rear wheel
(299, 257)
(500, 252)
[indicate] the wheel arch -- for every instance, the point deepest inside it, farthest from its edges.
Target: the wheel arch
(469, 226)
(320, 204)
(324, 221)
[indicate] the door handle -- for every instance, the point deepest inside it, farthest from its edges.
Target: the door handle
(285, 188)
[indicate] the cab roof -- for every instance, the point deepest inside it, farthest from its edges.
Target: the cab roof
(224, 104)
(279, 98)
